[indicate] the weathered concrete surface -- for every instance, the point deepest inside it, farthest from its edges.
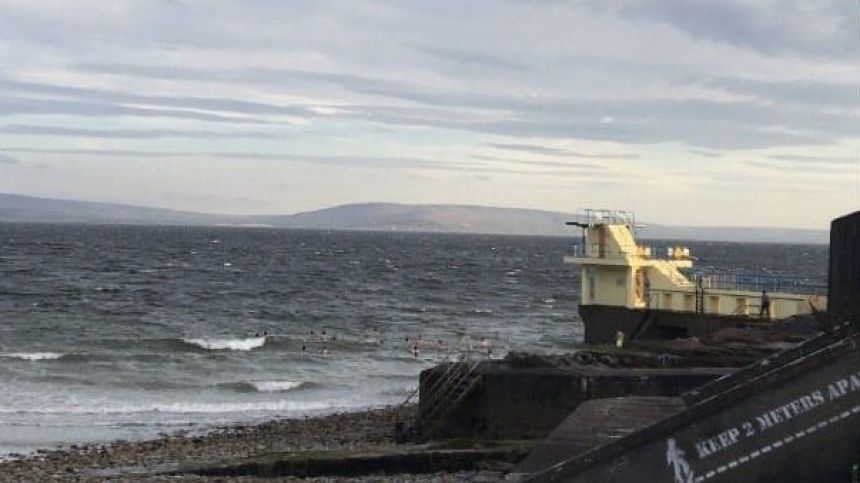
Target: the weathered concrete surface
(595, 423)
(389, 460)
(604, 321)
(515, 402)
(764, 428)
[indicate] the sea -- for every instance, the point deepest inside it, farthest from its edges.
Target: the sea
(126, 332)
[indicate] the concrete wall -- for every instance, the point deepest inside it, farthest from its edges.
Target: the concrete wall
(513, 403)
(611, 285)
(844, 290)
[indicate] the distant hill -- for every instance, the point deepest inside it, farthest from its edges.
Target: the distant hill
(28, 209)
(432, 218)
(377, 217)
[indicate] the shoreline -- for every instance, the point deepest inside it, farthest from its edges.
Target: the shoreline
(155, 459)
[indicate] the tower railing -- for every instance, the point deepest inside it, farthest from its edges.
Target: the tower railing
(761, 282)
(593, 250)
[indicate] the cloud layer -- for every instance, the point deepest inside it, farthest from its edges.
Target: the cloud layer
(498, 102)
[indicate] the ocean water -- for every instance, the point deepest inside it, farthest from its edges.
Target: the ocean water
(125, 332)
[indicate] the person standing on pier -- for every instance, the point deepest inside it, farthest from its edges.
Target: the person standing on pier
(765, 305)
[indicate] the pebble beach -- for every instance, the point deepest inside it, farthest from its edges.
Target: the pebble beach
(153, 460)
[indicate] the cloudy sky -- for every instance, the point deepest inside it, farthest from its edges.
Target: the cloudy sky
(686, 111)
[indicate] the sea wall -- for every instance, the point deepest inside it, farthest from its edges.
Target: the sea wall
(515, 403)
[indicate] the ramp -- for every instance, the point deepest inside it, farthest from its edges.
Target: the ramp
(772, 425)
(595, 423)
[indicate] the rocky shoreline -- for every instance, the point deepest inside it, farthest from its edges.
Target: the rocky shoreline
(159, 459)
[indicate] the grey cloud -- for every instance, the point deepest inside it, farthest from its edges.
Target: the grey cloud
(529, 162)
(335, 160)
(852, 160)
(805, 92)
(561, 152)
(357, 161)
(471, 58)
(698, 122)
(105, 98)
(529, 148)
(6, 159)
(275, 77)
(36, 130)
(10, 105)
(100, 152)
(783, 27)
(707, 154)
(811, 168)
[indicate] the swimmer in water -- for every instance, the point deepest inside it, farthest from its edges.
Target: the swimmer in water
(487, 345)
(415, 351)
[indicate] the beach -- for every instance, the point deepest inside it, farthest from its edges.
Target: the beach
(159, 459)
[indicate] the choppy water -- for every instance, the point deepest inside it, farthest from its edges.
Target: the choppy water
(113, 332)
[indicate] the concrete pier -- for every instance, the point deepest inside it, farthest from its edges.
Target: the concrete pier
(520, 403)
(793, 416)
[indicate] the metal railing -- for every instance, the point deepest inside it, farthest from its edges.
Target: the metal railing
(602, 216)
(758, 283)
(446, 393)
(646, 251)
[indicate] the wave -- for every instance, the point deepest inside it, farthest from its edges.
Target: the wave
(264, 386)
(186, 407)
(276, 386)
(247, 344)
(33, 356)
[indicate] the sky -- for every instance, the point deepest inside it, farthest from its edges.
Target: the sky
(691, 112)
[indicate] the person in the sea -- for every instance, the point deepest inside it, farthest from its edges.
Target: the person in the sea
(304, 349)
(487, 346)
(466, 344)
(415, 351)
(765, 305)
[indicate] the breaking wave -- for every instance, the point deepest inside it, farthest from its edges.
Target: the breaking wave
(264, 386)
(33, 356)
(247, 344)
(184, 408)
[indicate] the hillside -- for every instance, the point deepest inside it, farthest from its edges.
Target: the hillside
(377, 217)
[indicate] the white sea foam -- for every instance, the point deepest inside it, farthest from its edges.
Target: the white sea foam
(33, 356)
(276, 386)
(183, 408)
(228, 344)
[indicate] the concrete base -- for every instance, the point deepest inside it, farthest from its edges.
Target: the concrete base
(523, 403)
(382, 461)
(602, 322)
